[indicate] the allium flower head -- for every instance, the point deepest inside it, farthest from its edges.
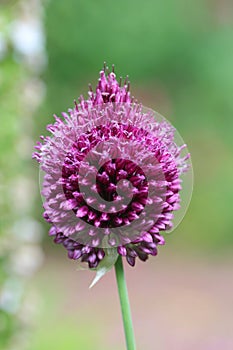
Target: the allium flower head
(111, 175)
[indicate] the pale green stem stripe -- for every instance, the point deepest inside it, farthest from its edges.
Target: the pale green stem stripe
(125, 307)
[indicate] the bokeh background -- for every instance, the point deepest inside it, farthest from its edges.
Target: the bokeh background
(179, 56)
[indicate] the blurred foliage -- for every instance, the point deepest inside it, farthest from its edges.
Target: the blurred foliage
(179, 57)
(19, 234)
(9, 73)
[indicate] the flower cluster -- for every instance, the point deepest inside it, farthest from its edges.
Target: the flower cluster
(111, 175)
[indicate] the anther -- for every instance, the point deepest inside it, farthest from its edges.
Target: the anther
(126, 80)
(120, 81)
(76, 105)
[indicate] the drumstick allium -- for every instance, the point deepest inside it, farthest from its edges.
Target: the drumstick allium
(112, 178)
(129, 146)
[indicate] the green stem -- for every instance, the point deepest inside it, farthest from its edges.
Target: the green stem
(125, 307)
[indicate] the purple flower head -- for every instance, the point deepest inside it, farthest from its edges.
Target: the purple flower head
(111, 175)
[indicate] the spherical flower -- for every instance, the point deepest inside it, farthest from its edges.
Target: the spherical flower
(111, 175)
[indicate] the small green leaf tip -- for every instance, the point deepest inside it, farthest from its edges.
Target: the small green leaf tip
(105, 265)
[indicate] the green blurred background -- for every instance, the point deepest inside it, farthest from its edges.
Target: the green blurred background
(179, 57)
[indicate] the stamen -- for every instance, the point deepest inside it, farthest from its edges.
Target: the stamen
(76, 105)
(81, 98)
(126, 80)
(120, 81)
